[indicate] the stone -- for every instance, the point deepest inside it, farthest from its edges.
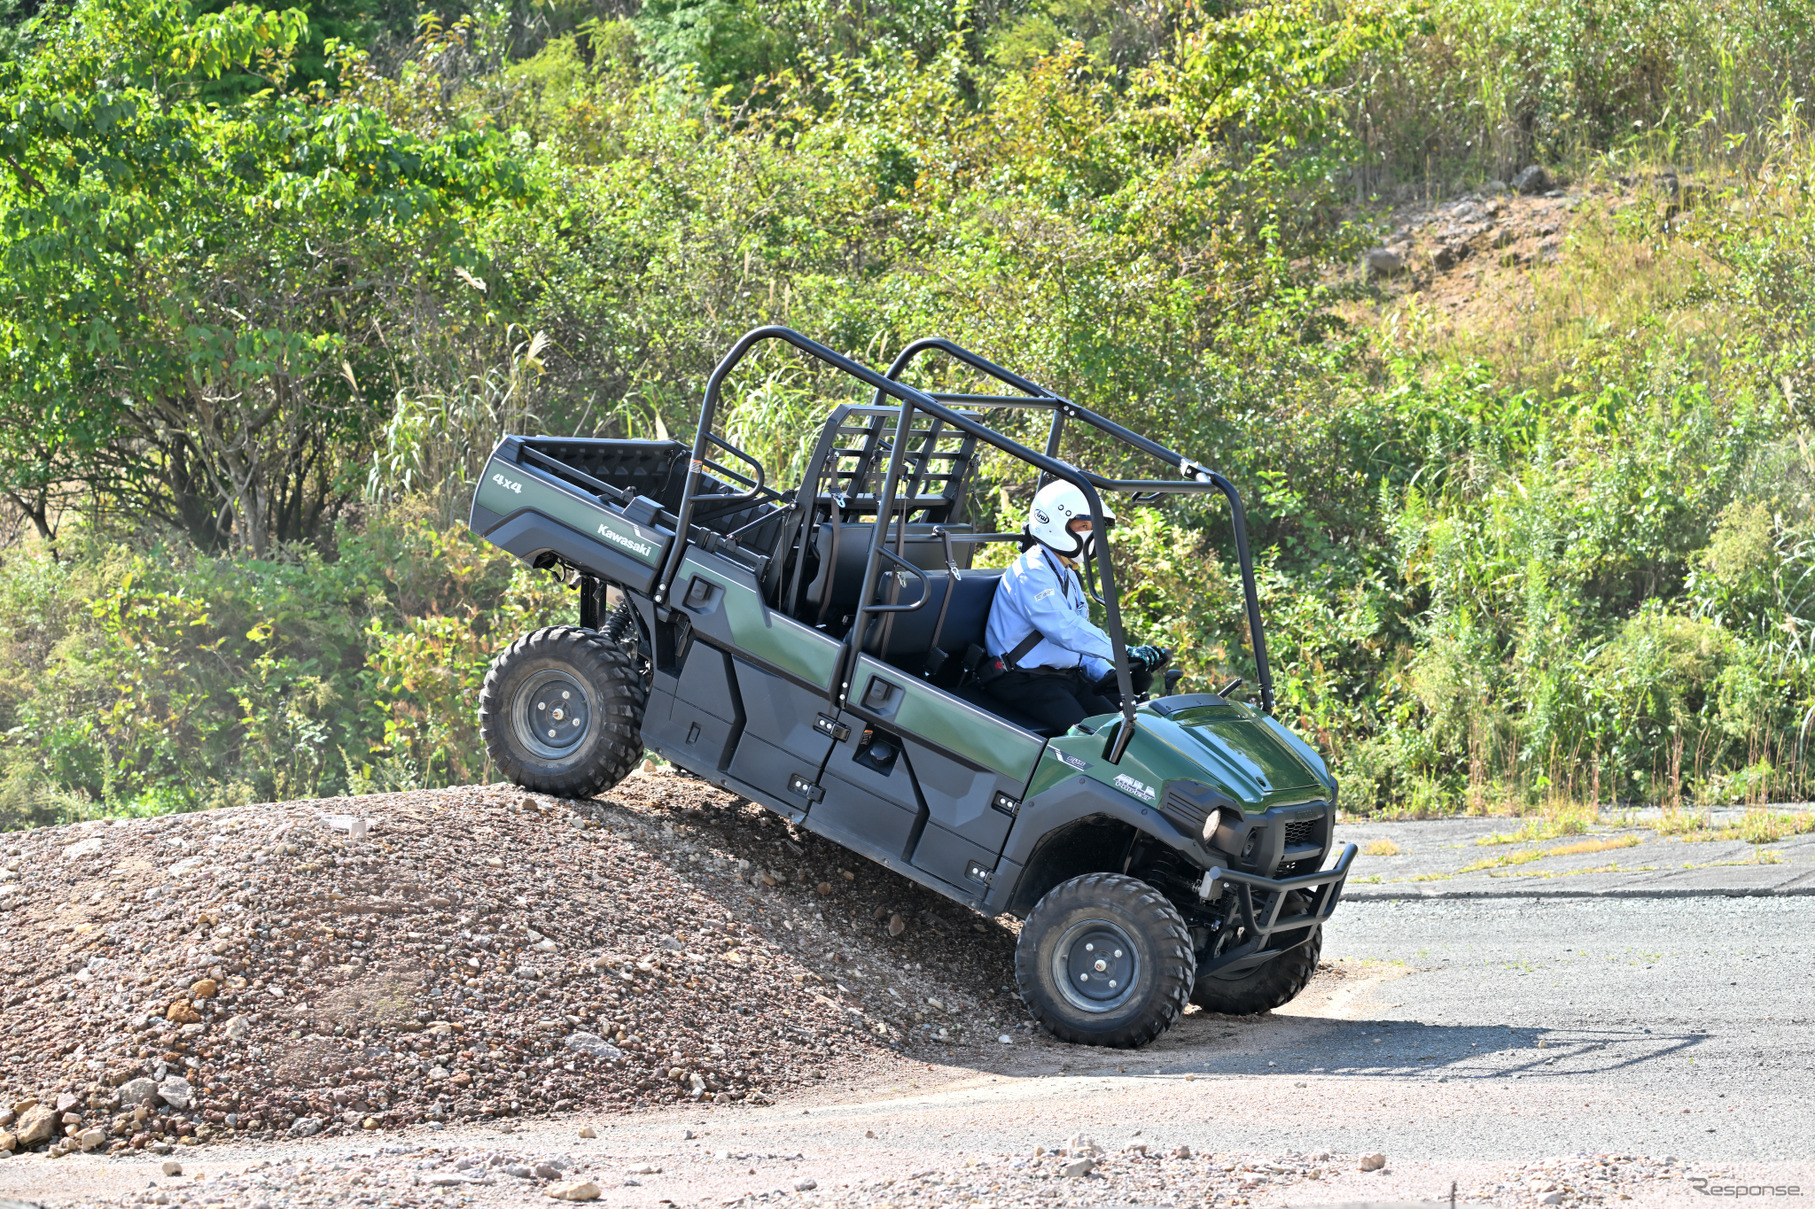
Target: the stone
(897, 925)
(37, 1124)
(207, 988)
(1373, 1162)
(592, 1044)
(573, 1190)
(1382, 262)
(1530, 180)
(67, 1101)
(136, 1091)
(8, 1142)
(587, 1131)
(172, 1167)
(237, 1028)
(305, 1127)
(645, 1169)
(824, 887)
(176, 1092)
(1551, 1198)
(92, 1139)
(805, 1185)
(1077, 1169)
(181, 1012)
(519, 1171)
(1183, 1152)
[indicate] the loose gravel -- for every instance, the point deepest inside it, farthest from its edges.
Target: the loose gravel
(1075, 1173)
(454, 955)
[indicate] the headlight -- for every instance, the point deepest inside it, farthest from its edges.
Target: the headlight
(1212, 821)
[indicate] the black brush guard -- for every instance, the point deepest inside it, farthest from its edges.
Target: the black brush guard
(1264, 922)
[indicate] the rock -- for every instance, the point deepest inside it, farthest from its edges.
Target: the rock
(83, 848)
(1077, 1169)
(519, 1171)
(554, 1171)
(573, 1190)
(1551, 1198)
(8, 1143)
(207, 988)
(92, 1139)
(897, 925)
(1373, 1162)
(67, 1101)
(805, 1185)
(136, 1091)
(587, 1131)
(1494, 186)
(37, 1124)
(181, 1012)
(1382, 262)
(305, 1127)
(176, 1092)
(237, 1028)
(1183, 1152)
(172, 1167)
(592, 1045)
(1531, 179)
(824, 887)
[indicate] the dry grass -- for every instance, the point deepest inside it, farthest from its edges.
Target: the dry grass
(1382, 848)
(1574, 820)
(1526, 856)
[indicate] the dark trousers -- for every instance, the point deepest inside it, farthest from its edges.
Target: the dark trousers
(1057, 699)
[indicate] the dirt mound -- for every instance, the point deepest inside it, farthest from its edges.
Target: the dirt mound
(458, 954)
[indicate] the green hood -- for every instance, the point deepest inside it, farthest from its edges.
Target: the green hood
(1228, 745)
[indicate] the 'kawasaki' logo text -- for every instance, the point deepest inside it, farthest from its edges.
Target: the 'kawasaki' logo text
(640, 549)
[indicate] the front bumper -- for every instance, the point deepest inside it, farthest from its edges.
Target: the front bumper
(1259, 902)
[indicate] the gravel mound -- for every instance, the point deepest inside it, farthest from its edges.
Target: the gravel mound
(361, 964)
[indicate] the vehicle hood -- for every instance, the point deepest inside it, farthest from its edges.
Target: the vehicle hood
(1236, 748)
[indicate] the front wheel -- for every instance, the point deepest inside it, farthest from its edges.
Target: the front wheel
(1263, 988)
(1105, 959)
(561, 712)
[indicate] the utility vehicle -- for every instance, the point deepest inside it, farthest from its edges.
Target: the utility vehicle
(815, 650)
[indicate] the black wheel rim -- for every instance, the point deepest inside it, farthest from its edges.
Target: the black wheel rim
(1095, 965)
(552, 714)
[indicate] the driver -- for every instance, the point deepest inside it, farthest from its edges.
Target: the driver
(1046, 658)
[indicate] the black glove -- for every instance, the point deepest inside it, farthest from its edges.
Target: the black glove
(1149, 658)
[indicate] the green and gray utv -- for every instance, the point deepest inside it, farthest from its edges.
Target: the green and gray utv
(816, 651)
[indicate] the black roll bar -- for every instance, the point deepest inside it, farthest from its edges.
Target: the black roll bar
(1199, 479)
(912, 399)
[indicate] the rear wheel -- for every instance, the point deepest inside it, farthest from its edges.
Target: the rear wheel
(561, 712)
(1105, 959)
(1263, 988)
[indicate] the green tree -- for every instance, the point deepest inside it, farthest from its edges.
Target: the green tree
(210, 305)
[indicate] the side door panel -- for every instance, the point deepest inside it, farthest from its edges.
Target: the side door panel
(970, 768)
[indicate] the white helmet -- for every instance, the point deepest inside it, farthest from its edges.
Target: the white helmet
(1049, 519)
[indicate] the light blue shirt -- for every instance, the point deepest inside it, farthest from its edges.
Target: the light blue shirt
(1041, 593)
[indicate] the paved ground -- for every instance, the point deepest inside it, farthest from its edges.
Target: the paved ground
(1622, 854)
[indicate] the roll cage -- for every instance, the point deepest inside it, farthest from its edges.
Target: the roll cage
(893, 508)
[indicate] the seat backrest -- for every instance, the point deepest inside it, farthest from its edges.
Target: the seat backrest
(919, 632)
(842, 549)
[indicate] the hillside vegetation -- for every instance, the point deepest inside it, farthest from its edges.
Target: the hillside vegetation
(276, 280)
